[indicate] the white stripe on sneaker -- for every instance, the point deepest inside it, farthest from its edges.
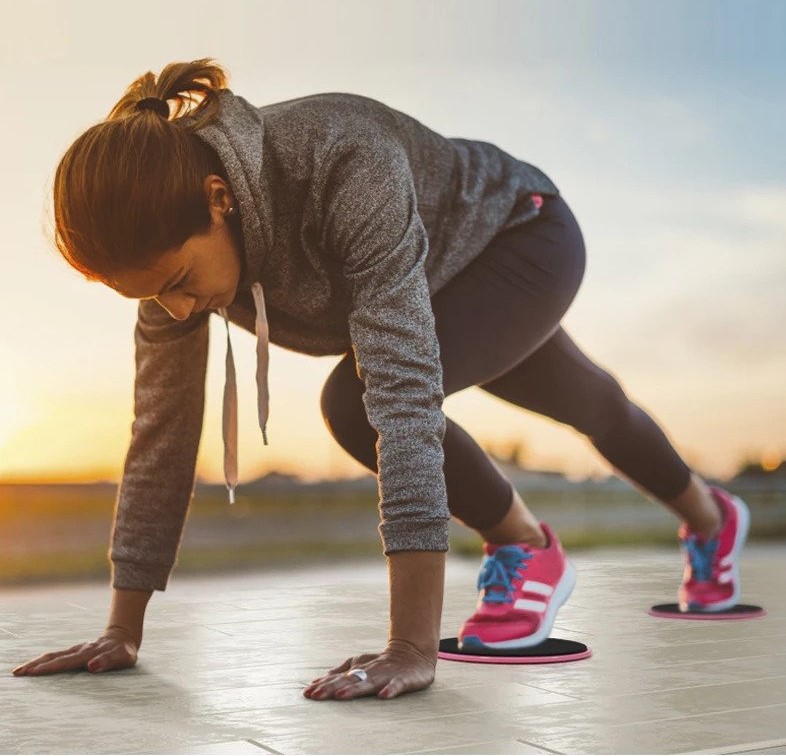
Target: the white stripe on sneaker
(537, 587)
(535, 606)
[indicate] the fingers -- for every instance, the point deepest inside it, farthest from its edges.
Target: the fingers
(340, 686)
(346, 686)
(59, 662)
(100, 663)
(337, 676)
(25, 668)
(389, 674)
(96, 657)
(384, 686)
(353, 688)
(353, 661)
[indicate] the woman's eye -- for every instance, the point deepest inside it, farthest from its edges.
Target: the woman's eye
(182, 282)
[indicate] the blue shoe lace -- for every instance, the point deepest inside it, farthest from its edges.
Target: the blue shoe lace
(500, 569)
(701, 556)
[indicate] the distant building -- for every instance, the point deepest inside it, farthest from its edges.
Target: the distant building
(753, 476)
(755, 470)
(750, 476)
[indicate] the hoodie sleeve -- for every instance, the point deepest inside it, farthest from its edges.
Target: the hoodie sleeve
(371, 223)
(158, 477)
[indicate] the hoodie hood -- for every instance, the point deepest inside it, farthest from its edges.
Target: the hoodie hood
(239, 130)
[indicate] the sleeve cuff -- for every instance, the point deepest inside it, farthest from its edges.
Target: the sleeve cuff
(415, 535)
(133, 576)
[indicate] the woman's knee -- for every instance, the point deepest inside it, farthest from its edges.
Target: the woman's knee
(341, 399)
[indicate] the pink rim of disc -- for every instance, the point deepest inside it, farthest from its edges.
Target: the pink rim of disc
(707, 615)
(514, 659)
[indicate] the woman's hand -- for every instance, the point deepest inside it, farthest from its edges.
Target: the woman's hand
(114, 649)
(401, 668)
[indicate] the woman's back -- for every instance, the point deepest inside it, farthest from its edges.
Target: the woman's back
(286, 159)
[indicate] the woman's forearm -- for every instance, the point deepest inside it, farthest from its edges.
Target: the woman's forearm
(417, 584)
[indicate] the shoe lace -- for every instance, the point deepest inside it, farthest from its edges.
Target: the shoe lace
(499, 569)
(701, 556)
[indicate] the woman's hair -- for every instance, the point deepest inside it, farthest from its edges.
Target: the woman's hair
(132, 186)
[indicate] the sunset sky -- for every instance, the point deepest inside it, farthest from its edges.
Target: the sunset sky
(660, 122)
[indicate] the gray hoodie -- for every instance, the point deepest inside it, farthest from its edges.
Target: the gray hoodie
(353, 215)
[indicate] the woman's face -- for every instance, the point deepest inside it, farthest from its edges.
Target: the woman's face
(203, 273)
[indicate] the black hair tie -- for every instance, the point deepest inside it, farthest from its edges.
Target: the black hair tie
(154, 103)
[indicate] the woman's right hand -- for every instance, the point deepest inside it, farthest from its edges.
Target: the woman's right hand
(115, 648)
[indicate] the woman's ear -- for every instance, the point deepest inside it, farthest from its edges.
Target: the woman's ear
(219, 196)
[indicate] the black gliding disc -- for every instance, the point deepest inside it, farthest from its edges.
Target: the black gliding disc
(737, 612)
(550, 651)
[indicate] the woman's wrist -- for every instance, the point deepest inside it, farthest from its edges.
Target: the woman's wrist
(427, 652)
(417, 583)
(127, 612)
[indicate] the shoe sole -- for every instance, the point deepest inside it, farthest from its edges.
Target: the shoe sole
(743, 519)
(559, 597)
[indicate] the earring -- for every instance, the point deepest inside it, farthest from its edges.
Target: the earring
(231, 210)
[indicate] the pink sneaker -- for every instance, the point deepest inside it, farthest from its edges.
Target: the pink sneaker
(521, 589)
(711, 582)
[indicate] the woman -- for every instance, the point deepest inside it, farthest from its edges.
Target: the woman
(334, 224)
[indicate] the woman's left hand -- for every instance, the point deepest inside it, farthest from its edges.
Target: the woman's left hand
(401, 668)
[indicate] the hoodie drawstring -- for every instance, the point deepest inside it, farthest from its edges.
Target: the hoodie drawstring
(230, 389)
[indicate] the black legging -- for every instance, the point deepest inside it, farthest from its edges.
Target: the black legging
(498, 325)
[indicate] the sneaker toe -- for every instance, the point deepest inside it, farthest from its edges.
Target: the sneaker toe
(495, 632)
(700, 595)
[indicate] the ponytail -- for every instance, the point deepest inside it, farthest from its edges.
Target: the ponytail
(132, 186)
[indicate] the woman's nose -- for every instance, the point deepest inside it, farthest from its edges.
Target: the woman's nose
(179, 307)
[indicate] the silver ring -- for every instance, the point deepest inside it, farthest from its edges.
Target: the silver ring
(361, 673)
